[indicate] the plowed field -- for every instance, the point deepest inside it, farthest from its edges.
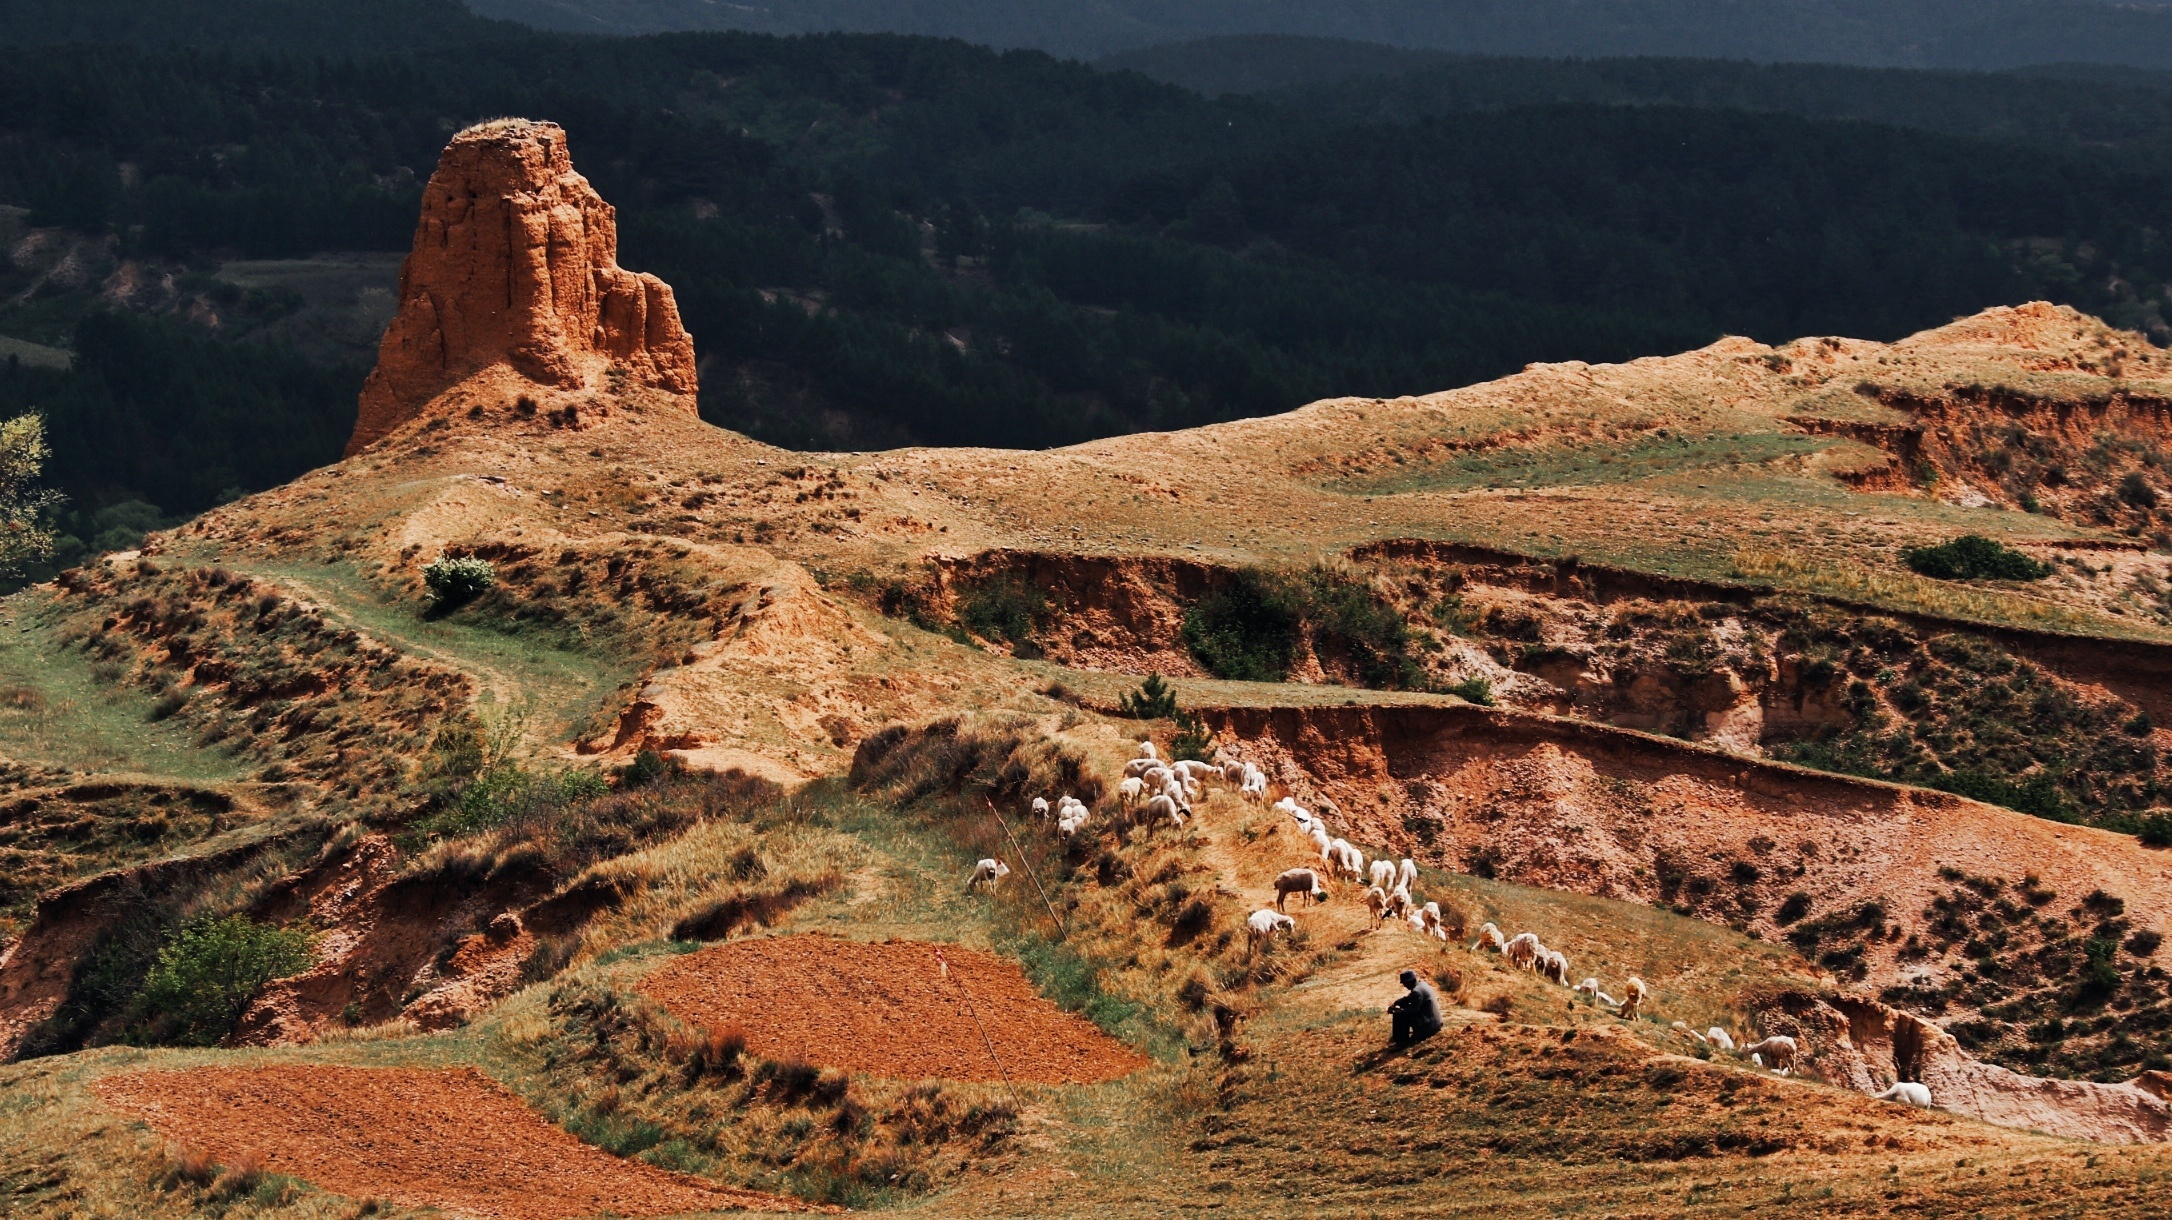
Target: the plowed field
(455, 1140)
(888, 1010)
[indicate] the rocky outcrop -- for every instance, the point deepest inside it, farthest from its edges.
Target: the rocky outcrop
(515, 264)
(1866, 1045)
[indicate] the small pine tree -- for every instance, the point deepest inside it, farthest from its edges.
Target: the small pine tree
(1154, 700)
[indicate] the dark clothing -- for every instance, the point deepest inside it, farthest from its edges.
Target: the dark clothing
(1417, 1014)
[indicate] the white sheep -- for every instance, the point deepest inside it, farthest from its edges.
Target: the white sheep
(1146, 750)
(1261, 926)
(1777, 1052)
(1590, 987)
(1556, 967)
(1040, 806)
(1521, 950)
(1157, 777)
(1131, 793)
(1429, 921)
(1325, 845)
(1632, 997)
(1299, 881)
(1489, 937)
(1407, 873)
(1139, 766)
(1194, 771)
(1253, 786)
(1348, 858)
(1719, 1038)
(1908, 1093)
(1163, 807)
(1376, 902)
(1233, 772)
(1399, 901)
(987, 872)
(1383, 874)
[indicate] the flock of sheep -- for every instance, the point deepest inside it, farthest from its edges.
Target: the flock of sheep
(1154, 790)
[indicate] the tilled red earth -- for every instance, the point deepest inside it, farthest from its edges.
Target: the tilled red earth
(455, 1140)
(887, 1010)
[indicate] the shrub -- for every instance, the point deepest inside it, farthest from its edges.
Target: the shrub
(2155, 830)
(1006, 609)
(1154, 700)
(1246, 631)
(1192, 741)
(454, 582)
(1973, 557)
(2136, 491)
(1474, 690)
(209, 971)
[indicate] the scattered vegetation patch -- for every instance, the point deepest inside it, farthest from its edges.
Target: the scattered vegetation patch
(628, 1077)
(1256, 627)
(2042, 986)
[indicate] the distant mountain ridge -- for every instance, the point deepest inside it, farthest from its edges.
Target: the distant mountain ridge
(1878, 33)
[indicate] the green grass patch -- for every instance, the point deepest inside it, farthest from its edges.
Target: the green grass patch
(1649, 457)
(56, 707)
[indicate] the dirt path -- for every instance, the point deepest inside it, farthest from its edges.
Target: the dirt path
(889, 1009)
(449, 1139)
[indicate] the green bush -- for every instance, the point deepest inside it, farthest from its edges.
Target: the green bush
(1006, 609)
(1192, 739)
(453, 582)
(1154, 700)
(1973, 557)
(2155, 830)
(209, 971)
(1246, 631)
(1476, 690)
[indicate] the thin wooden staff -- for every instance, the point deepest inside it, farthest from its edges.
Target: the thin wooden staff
(1020, 852)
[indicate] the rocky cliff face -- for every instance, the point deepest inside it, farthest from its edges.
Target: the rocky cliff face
(515, 264)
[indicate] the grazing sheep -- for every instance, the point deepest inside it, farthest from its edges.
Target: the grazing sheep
(1040, 806)
(1348, 858)
(1233, 772)
(1522, 950)
(1253, 786)
(1299, 881)
(1908, 1093)
(1778, 1052)
(1556, 967)
(1719, 1038)
(1590, 987)
(1429, 921)
(1376, 902)
(1162, 807)
(1130, 793)
(1325, 845)
(1157, 777)
(1399, 901)
(1383, 874)
(1261, 925)
(1490, 937)
(987, 872)
(1406, 874)
(1632, 997)
(1146, 750)
(1194, 771)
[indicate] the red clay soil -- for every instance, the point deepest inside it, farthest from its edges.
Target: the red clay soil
(455, 1140)
(887, 1010)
